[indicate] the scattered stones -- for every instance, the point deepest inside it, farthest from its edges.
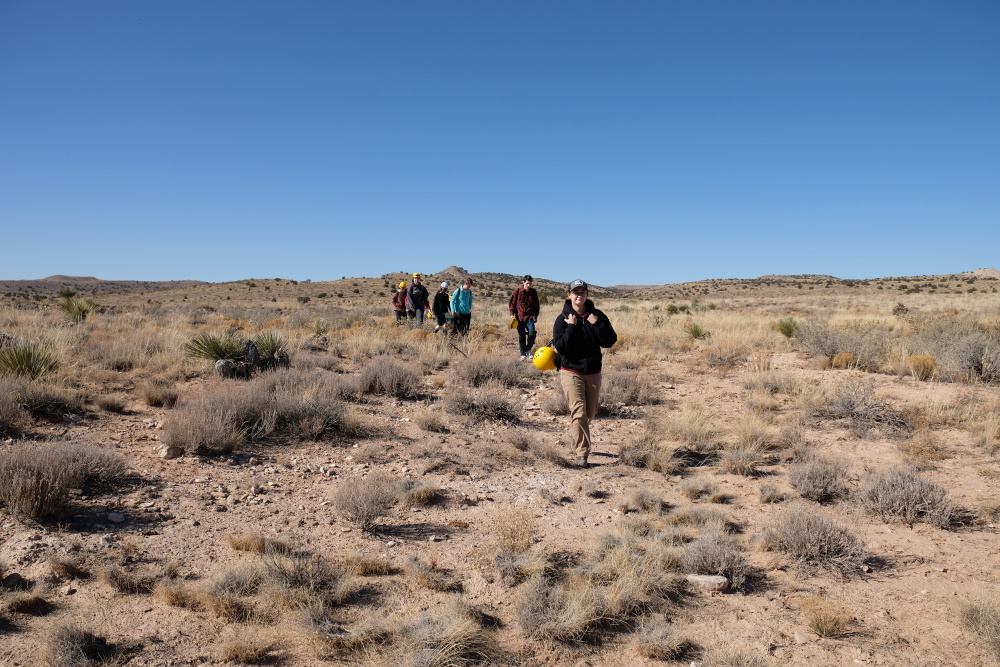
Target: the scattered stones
(116, 517)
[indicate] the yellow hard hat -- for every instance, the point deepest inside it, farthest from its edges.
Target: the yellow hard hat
(544, 359)
(402, 283)
(416, 275)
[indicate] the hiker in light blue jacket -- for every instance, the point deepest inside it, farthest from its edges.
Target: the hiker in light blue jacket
(461, 308)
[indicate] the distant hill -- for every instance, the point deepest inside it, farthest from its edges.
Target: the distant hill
(88, 285)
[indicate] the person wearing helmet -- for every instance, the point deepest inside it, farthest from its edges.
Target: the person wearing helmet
(441, 306)
(524, 308)
(461, 308)
(399, 302)
(579, 333)
(417, 302)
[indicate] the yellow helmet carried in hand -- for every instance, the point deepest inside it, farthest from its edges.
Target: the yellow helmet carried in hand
(544, 359)
(402, 284)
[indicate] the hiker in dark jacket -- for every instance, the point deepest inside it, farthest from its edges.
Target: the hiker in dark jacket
(524, 308)
(399, 302)
(441, 306)
(580, 332)
(416, 302)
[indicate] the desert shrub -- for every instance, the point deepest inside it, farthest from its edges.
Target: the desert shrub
(922, 450)
(649, 449)
(431, 421)
(35, 480)
(818, 479)
(855, 401)
(68, 645)
(387, 375)
(921, 366)
(65, 567)
(692, 425)
(623, 389)
(159, 392)
(787, 327)
(660, 641)
(718, 554)
(983, 618)
(696, 331)
(365, 501)
(730, 655)
(698, 489)
(427, 573)
(478, 370)
(555, 403)
(77, 309)
(726, 355)
(962, 350)
(900, 494)
(640, 499)
(249, 648)
(300, 580)
(711, 518)
(256, 543)
(770, 494)
(827, 618)
(28, 359)
(13, 417)
(844, 360)
(415, 494)
(215, 346)
(489, 402)
(564, 610)
(819, 338)
(112, 402)
(128, 582)
(452, 635)
(771, 381)
(744, 459)
(815, 541)
(200, 431)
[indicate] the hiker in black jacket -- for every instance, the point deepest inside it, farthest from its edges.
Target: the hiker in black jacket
(579, 333)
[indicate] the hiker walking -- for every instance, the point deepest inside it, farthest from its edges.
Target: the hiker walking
(416, 302)
(461, 308)
(399, 302)
(579, 333)
(524, 308)
(441, 306)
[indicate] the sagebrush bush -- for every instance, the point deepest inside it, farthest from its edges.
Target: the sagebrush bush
(816, 541)
(901, 494)
(819, 479)
(390, 376)
(35, 480)
(364, 501)
(480, 369)
(855, 401)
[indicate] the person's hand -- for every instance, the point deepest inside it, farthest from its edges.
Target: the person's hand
(572, 319)
(592, 318)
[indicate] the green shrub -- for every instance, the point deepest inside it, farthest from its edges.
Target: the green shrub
(787, 327)
(76, 309)
(696, 331)
(214, 347)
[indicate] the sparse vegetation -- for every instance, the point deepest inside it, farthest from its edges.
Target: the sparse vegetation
(900, 494)
(812, 539)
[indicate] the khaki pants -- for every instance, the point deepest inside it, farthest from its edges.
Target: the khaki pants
(582, 392)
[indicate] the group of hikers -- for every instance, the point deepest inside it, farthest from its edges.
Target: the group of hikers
(579, 333)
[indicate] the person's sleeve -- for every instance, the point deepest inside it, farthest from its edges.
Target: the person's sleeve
(606, 335)
(561, 332)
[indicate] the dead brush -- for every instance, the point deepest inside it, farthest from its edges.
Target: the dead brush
(414, 493)
(555, 403)
(700, 516)
(300, 580)
(432, 421)
(718, 554)
(514, 535)
(257, 543)
(365, 566)
(69, 645)
(116, 403)
(815, 541)
(641, 499)
(564, 610)
(744, 459)
(365, 501)
(660, 641)
(65, 568)
(922, 450)
(622, 389)
(136, 583)
(770, 494)
(453, 634)
(488, 402)
(901, 495)
(650, 449)
(31, 603)
(252, 648)
(480, 369)
(982, 617)
(819, 479)
(427, 573)
(354, 424)
(387, 375)
(159, 393)
(701, 489)
(827, 618)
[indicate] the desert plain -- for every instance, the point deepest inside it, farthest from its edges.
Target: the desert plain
(787, 470)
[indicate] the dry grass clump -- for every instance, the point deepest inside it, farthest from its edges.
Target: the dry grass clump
(64, 567)
(480, 369)
(744, 459)
(621, 389)
(430, 420)
(827, 618)
(35, 480)
(68, 645)
(112, 402)
(702, 489)
(660, 641)
(718, 554)
(414, 493)
(451, 636)
(41, 400)
(427, 573)
(983, 618)
(770, 494)
(701, 516)
(900, 494)
(650, 449)
(731, 655)
(25, 602)
(364, 501)
(922, 450)
(816, 541)
(387, 375)
(641, 499)
(692, 425)
(13, 417)
(302, 580)
(249, 648)
(772, 381)
(922, 366)
(555, 403)
(489, 402)
(257, 543)
(159, 392)
(817, 478)
(855, 401)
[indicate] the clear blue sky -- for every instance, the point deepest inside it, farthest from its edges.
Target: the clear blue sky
(634, 142)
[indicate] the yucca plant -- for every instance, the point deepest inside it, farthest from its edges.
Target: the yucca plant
(214, 346)
(269, 344)
(29, 359)
(787, 326)
(67, 292)
(78, 309)
(319, 326)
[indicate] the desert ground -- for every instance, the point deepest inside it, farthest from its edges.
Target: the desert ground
(789, 470)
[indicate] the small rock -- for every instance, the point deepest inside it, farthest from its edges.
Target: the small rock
(345, 529)
(171, 452)
(67, 590)
(193, 522)
(116, 517)
(709, 582)
(801, 638)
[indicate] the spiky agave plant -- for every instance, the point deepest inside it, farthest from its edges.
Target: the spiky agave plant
(78, 309)
(214, 346)
(27, 359)
(269, 343)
